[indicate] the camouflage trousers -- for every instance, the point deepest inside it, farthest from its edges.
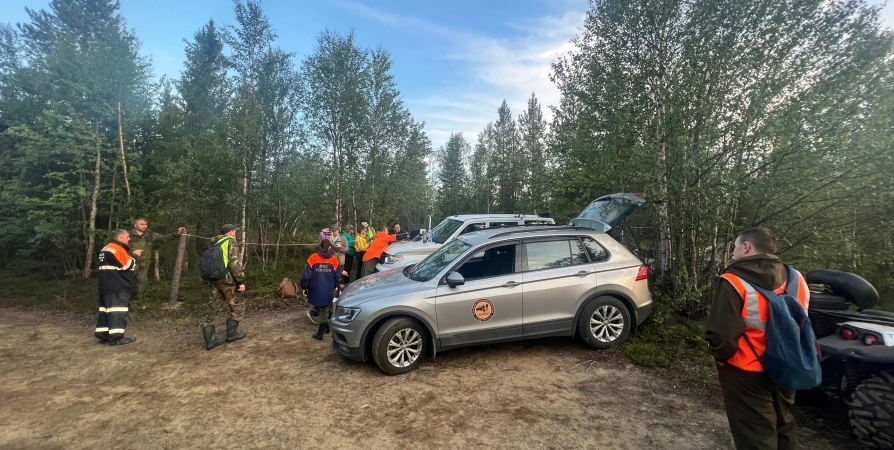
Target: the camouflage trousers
(320, 314)
(142, 279)
(220, 292)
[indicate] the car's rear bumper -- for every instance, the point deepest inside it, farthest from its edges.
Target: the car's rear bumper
(643, 313)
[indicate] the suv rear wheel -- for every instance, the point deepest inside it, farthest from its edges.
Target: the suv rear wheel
(604, 322)
(400, 345)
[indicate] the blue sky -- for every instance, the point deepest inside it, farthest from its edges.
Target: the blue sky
(454, 61)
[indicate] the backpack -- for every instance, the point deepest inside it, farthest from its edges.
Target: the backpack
(791, 358)
(211, 264)
(361, 243)
(288, 289)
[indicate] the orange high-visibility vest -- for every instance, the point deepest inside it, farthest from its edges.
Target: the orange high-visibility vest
(755, 312)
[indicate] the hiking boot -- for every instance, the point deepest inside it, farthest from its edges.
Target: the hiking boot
(232, 335)
(208, 333)
(122, 341)
(320, 330)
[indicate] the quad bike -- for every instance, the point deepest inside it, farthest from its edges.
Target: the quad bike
(856, 352)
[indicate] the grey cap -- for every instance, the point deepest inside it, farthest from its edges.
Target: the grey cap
(228, 228)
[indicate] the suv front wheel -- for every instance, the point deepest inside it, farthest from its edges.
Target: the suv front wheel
(604, 322)
(400, 345)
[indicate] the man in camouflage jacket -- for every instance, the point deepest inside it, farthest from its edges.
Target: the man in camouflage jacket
(224, 290)
(141, 238)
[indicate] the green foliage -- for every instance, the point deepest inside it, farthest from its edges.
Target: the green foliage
(452, 196)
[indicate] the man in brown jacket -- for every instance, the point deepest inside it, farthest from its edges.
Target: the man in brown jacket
(759, 411)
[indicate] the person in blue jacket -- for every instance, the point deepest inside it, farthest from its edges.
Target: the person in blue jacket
(320, 279)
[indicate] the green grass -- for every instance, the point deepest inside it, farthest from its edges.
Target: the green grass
(675, 348)
(28, 285)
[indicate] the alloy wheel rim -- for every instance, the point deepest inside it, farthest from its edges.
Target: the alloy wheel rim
(404, 347)
(606, 323)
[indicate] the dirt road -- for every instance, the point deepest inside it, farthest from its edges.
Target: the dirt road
(280, 389)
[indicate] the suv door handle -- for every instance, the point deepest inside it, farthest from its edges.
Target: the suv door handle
(509, 284)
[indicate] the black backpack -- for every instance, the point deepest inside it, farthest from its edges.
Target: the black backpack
(211, 263)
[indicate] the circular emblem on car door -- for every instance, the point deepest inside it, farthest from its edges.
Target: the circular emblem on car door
(483, 310)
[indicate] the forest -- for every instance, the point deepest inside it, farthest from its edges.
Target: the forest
(724, 113)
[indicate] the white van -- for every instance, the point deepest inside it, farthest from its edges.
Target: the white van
(400, 254)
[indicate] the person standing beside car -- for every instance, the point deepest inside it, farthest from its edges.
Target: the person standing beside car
(376, 248)
(319, 280)
(339, 246)
(758, 410)
(348, 235)
(361, 244)
(397, 233)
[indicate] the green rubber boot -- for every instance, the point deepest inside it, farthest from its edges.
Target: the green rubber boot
(208, 331)
(232, 334)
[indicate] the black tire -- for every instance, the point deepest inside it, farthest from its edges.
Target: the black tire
(395, 331)
(610, 322)
(872, 411)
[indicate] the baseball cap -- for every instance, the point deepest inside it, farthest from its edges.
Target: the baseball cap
(228, 228)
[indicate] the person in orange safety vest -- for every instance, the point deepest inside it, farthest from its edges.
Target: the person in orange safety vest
(758, 410)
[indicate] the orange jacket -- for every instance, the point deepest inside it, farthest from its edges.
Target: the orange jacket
(379, 244)
(755, 313)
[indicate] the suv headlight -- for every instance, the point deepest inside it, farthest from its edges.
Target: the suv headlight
(391, 259)
(346, 315)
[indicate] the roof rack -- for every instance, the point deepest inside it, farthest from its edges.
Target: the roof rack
(532, 229)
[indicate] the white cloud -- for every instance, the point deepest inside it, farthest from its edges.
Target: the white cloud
(509, 68)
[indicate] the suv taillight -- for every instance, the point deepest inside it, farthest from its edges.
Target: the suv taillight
(643, 273)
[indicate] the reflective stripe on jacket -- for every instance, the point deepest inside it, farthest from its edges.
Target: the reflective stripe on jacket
(755, 311)
(116, 269)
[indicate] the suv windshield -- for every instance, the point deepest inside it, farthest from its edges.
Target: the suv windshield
(444, 230)
(431, 266)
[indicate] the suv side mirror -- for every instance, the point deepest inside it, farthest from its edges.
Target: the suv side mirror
(455, 279)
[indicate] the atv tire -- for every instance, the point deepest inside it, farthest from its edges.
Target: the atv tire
(872, 411)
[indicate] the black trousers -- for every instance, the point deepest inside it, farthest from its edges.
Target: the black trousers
(349, 264)
(759, 411)
(113, 316)
(359, 257)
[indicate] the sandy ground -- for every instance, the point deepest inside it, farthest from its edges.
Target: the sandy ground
(281, 389)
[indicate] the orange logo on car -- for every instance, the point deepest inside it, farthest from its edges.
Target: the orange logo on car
(483, 310)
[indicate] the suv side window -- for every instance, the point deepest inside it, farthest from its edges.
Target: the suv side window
(501, 224)
(472, 227)
(491, 262)
(553, 254)
(596, 251)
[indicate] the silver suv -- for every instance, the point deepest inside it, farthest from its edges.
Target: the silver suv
(495, 285)
(401, 254)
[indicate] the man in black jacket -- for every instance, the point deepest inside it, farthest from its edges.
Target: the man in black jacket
(116, 281)
(759, 411)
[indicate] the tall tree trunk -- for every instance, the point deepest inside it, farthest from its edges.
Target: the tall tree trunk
(244, 211)
(124, 161)
(178, 269)
(156, 271)
(338, 200)
(91, 234)
(112, 203)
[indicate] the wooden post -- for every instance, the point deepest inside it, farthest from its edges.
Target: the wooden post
(155, 262)
(178, 269)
